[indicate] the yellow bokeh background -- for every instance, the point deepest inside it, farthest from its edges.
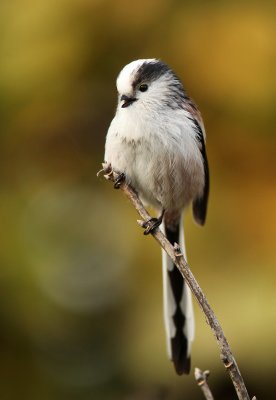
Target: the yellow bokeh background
(81, 295)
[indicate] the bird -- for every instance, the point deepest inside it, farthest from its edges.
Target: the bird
(157, 142)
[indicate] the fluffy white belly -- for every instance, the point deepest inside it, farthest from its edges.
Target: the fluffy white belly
(165, 168)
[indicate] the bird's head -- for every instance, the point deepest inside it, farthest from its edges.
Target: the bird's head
(149, 83)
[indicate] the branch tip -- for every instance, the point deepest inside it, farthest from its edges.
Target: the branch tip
(201, 379)
(207, 373)
(106, 168)
(200, 376)
(141, 223)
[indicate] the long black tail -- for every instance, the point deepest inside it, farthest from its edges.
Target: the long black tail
(178, 312)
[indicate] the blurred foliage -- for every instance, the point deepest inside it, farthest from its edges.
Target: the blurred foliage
(81, 296)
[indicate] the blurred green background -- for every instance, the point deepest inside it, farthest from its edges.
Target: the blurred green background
(81, 296)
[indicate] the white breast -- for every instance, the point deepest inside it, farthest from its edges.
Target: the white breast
(159, 155)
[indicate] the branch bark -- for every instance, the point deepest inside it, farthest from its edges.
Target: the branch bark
(201, 379)
(175, 254)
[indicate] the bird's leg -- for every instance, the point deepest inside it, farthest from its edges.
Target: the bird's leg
(120, 178)
(153, 223)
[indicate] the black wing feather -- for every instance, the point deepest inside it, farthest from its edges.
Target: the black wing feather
(200, 203)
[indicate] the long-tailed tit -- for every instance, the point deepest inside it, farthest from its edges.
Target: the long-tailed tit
(157, 140)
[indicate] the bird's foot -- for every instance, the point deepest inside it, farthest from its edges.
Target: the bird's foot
(109, 174)
(152, 224)
(119, 180)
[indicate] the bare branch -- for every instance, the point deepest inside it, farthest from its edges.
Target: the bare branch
(201, 379)
(178, 259)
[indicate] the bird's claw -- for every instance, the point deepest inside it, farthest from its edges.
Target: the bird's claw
(151, 225)
(120, 178)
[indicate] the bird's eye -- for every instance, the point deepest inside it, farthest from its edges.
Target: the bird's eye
(143, 87)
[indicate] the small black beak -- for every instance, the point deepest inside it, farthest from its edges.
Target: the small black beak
(127, 100)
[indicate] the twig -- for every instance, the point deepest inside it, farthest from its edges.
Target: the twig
(201, 379)
(175, 254)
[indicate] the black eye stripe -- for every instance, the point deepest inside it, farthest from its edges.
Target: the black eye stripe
(151, 71)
